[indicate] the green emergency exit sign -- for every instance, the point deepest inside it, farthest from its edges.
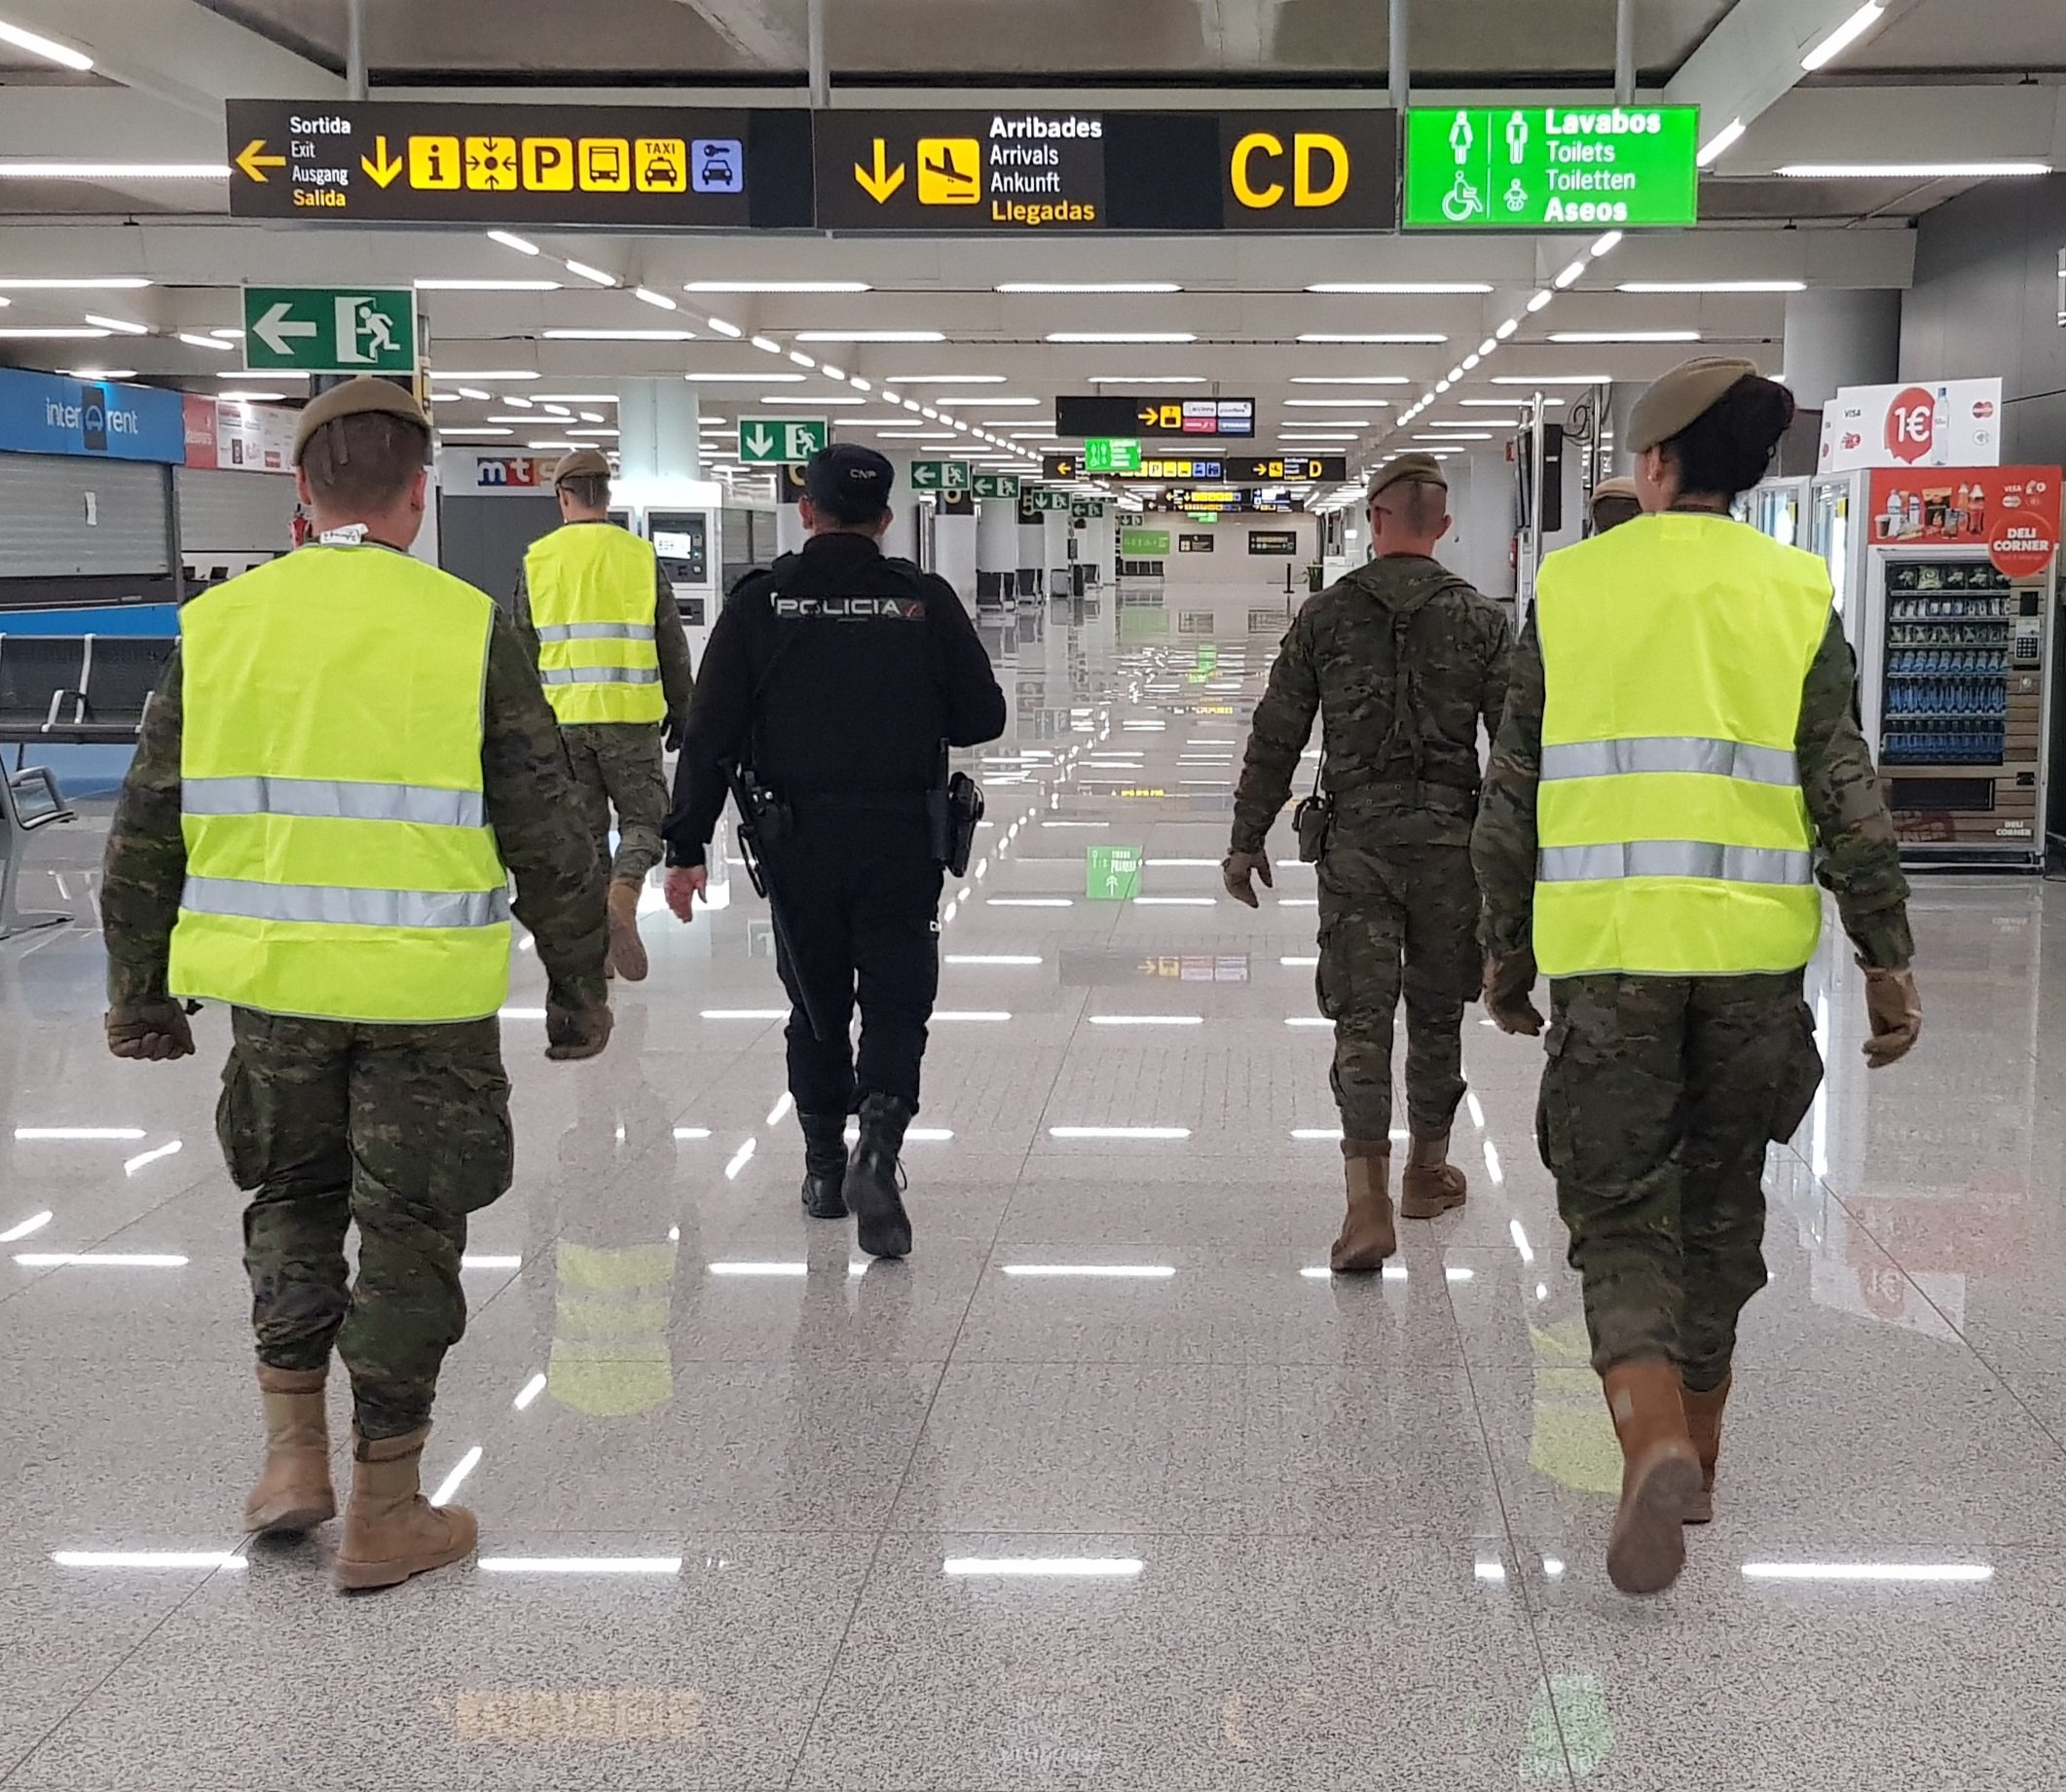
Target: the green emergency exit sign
(1551, 167)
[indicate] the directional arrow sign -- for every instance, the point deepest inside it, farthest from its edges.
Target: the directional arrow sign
(254, 161)
(940, 475)
(880, 181)
(381, 167)
(329, 329)
(766, 440)
(994, 485)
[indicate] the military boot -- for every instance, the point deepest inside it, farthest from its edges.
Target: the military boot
(1703, 1423)
(1660, 1475)
(627, 951)
(874, 1177)
(293, 1493)
(391, 1530)
(824, 1164)
(1368, 1235)
(1429, 1184)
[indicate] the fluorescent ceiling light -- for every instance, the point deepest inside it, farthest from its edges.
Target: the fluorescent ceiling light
(591, 274)
(1317, 335)
(218, 343)
(1603, 245)
(1507, 329)
(948, 404)
(724, 327)
(47, 48)
(801, 359)
(578, 1565)
(580, 398)
(1867, 1571)
(122, 326)
(618, 336)
(1713, 286)
(469, 429)
(1149, 380)
(777, 286)
(444, 285)
(63, 332)
(1334, 404)
(1457, 435)
(1121, 335)
(114, 170)
(88, 283)
(1504, 404)
(1624, 336)
(93, 373)
(1401, 287)
(1089, 286)
(510, 373)
(249, 397)
(1913, 170)
(1719, 144)
(811, 401)
(1326, 435)
(509, 240)
(1349, 380)
(1570, 275)
(1117, 1132)
(1540, 299)
(1043, 1567)
(650, 296)
(870, 335)
(944, 379)
(1845, 35)
(1550, 379)
(746, 379)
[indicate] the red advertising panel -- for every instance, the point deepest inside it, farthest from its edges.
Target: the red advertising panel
(2012, 511)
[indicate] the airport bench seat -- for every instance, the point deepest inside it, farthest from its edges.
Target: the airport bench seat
(77, 689)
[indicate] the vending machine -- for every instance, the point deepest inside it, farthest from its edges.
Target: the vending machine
(1953, 638)
(1826, 516)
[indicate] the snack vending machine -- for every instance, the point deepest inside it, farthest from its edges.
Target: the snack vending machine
(1953, 640)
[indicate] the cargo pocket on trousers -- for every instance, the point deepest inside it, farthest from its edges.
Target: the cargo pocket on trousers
(1802, 1078)
(486, 1143)
(237, 1126)
(1552, 1106)
(1330, 983)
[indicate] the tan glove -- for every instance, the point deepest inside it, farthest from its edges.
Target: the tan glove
(1238, 871)
(154, 1030)
(1896, 1012)
(1509, 979)
(576, 1032)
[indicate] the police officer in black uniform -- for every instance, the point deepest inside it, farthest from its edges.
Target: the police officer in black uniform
(835, 680)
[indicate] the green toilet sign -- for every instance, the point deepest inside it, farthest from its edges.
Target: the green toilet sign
(1551, 167)
(1112, 454)
(1113, 873)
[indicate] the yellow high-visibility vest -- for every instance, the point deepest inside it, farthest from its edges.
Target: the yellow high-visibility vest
(1672, 837)
(340, 863)
(592, 589)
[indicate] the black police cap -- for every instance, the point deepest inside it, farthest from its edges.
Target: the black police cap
(849, 476)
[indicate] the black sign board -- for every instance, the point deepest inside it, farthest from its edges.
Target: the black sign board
(1226, 498)
(1213, 469)
(1279, 541)
(1194, 545)
(649, 168)
(1150, 416)
(789, 484)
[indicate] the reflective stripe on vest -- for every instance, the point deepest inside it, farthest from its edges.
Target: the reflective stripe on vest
(340, 864)
(1673, 836)
(593, 588)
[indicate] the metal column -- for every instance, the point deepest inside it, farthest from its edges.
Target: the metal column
(1398, 54)
(1624, 52)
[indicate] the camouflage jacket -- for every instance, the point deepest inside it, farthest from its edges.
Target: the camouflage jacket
(1401, 659)
(532, 805)
(676, 676)
(1858, 860)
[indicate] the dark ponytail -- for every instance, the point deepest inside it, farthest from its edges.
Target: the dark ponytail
(1728, 446)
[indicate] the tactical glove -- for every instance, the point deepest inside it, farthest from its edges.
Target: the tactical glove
(1509, 977)
(1238, 871)
(673, 732)
(1896, 1012)
(154, 1030)
(576, 1032)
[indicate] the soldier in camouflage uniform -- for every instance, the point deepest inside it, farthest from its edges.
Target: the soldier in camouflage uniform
(402, 1129)
(1402, 660)
(616, 764)
(1662, 1090)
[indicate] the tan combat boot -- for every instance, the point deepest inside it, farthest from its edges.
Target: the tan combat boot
(1430, 1183)
(1703, 1423)
(1660, 1475)
(293, 1493)
(391, 1530)
(627, 951)
(1368, 1235)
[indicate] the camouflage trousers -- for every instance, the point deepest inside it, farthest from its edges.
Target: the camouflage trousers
(1658, 1100)
(403, 1130)
(1393, 920)
(616, 765)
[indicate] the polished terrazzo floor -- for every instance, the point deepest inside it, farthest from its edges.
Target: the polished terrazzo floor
(1110, 1485)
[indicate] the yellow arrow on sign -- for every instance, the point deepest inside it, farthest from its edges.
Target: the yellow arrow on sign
(255, 165)
(883, 180)
(380, 167)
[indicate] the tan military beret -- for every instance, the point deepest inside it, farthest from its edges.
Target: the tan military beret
(363, 393)
(1678, 400)
(582, 463)
(1623, 488)
(1425, 468)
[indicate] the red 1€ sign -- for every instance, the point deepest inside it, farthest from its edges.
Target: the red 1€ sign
(1911, 424)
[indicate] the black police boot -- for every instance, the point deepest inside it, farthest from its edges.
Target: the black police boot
(824, 1164)
(873, 1177)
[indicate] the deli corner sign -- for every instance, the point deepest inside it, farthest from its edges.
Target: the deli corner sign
(1551, 167)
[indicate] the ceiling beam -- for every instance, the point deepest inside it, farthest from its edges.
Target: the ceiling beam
(745, 25)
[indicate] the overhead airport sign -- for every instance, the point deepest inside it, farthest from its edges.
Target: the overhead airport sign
(1551, 167)
(329, 329)
(1227, 469)
(1016, 169)
(939, 476)
(413, 162)
(1150, 414)
(994, 485)
(1104, 453)
(765, 440)
(1215, 500)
